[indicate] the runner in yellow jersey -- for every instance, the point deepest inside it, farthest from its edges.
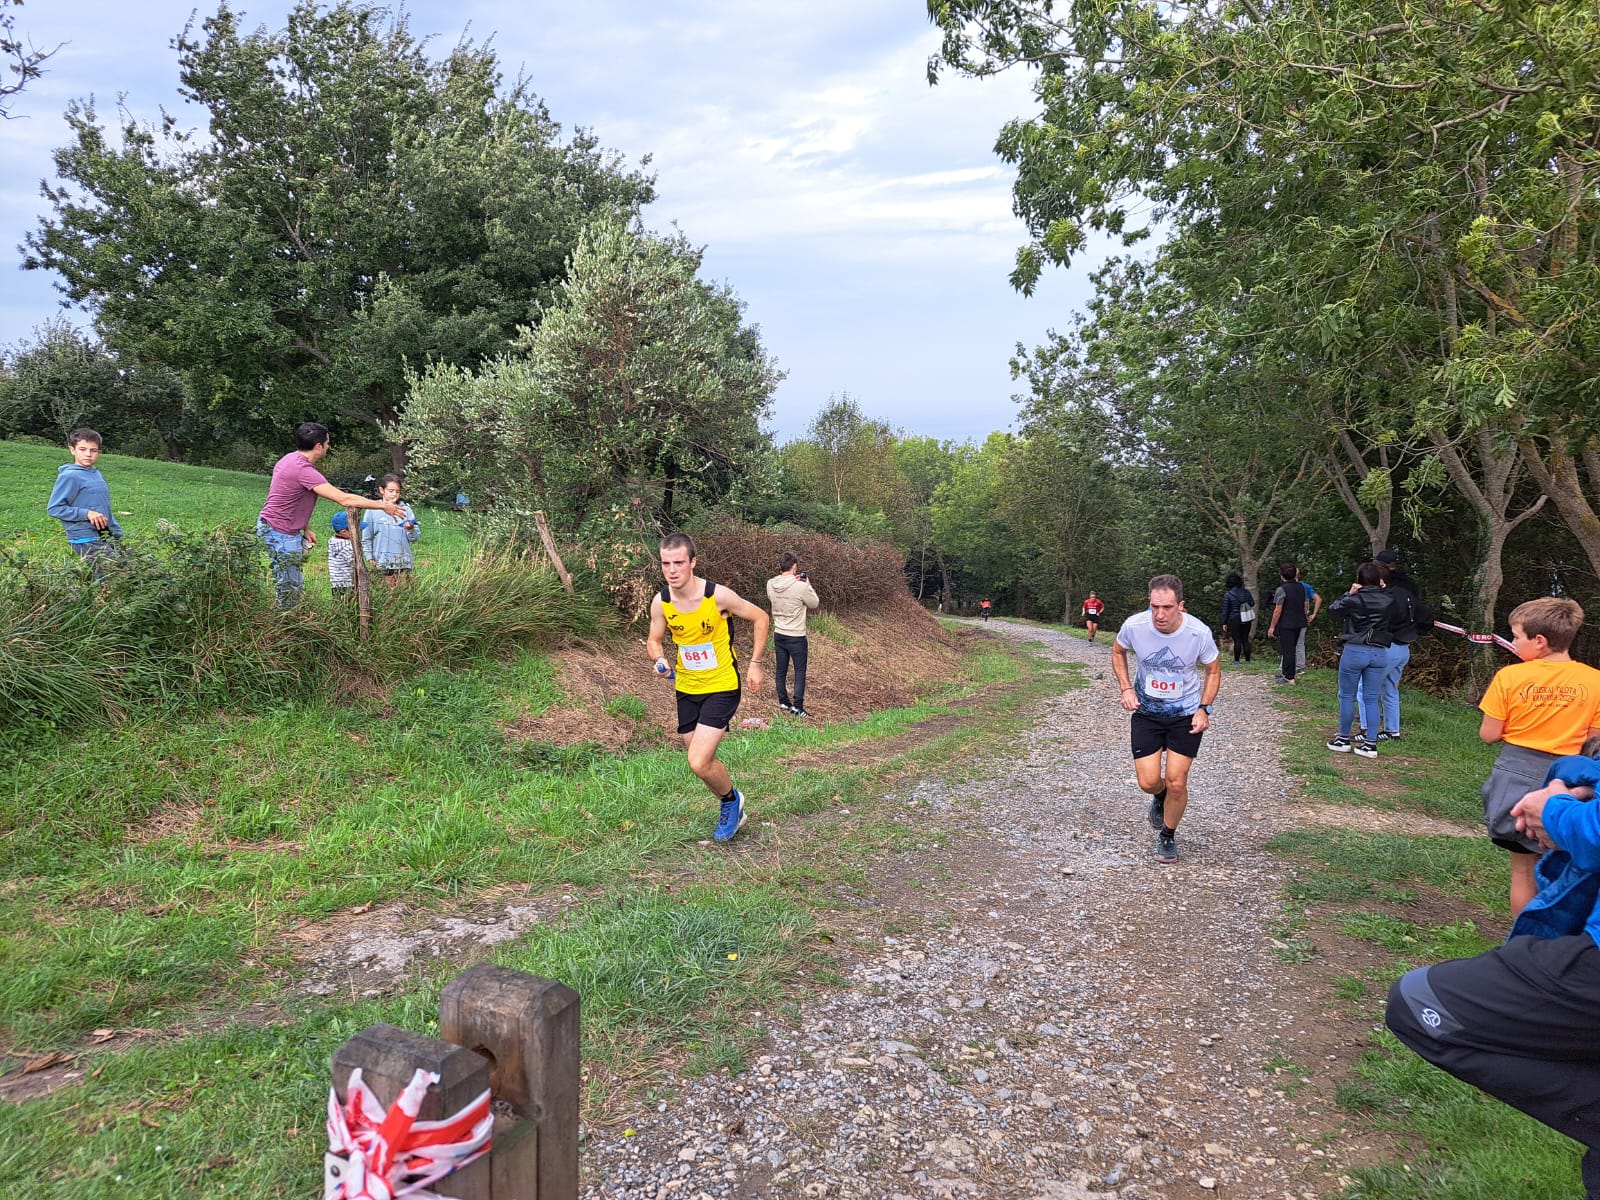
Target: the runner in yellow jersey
(696, 611)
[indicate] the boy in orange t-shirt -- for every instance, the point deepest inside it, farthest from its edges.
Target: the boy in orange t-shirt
(1542, 708)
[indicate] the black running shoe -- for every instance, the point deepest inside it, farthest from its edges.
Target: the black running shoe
(1158, 813)
(1167, 848)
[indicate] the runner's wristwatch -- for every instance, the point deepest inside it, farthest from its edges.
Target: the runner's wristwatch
(1206, 708)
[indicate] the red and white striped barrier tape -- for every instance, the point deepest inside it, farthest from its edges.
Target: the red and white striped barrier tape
(377, 1155)
(1482, 639)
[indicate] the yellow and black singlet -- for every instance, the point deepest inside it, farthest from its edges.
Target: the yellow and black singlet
(706, 662)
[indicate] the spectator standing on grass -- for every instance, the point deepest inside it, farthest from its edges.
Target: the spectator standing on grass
(1238, 615)
(1371, 615)
(386, 541)
(1169, 700)
(1543, 707)
(696, 611)
(791, 596)
(1520, 1021)
(1315, 602)
(284, 524)
(81, 501)
(1288, 620)
(1419, 622)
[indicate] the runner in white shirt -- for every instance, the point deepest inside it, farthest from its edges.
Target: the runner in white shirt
(1169, 698)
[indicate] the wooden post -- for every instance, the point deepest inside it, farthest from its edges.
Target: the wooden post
(528, 1028)
(513, 1033)
(550, 549)
(363, 580)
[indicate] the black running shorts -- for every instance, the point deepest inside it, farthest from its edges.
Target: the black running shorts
(1153, 734)
(715, 709)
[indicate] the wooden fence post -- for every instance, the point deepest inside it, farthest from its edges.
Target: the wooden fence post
(517, 1035)
(528, 1028)
(363, 579)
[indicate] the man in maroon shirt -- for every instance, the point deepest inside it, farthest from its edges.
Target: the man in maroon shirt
(285, 523)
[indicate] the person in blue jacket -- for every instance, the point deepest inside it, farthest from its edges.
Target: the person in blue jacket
(1522, 1022)
(81, 501)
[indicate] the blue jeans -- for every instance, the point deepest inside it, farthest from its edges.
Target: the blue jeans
(285, 551)
(1361, 667)
(1399, 656)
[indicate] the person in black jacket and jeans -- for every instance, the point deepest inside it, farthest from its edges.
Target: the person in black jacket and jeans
(1236, 602)
(1371, 617)
(1419, 621)
(1288, 619)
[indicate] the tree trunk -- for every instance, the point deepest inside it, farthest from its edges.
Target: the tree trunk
(1557, 476)
(1490, 491)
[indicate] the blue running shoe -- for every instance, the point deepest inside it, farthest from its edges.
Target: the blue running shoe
(732, 819)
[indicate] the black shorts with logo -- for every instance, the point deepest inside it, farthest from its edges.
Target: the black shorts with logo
(715, 709)
(1153, 734)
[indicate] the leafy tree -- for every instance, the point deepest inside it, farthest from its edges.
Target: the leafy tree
(353, 207)
(926, 465)
(1407, 189)
(24, 62)
(847, 458)
(969, 521)
(1061, 504)
(639, 395)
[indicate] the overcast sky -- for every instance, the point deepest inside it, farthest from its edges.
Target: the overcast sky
(861, 215)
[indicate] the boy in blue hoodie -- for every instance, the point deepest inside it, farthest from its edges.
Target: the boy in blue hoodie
(81, 501)
(1522, 1022)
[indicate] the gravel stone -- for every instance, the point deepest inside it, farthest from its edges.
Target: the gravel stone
(1055, 1016)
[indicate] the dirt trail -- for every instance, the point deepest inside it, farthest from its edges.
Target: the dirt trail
(1043, 1011)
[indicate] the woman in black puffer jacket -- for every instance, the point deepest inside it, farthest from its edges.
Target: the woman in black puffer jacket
(1371, 615)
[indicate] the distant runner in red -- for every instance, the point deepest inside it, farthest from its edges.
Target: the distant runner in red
(1092, 608)
(984, 608)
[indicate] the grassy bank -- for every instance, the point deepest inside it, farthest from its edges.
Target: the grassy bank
(164, 877)
(1415, 892)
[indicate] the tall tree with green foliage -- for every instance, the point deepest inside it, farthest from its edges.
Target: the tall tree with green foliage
(638, 397)
(847, 458)
(1415, 182)
(352, 207)
(926, 466)
(969, 519)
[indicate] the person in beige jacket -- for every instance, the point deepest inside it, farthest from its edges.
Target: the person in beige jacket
(792, 596)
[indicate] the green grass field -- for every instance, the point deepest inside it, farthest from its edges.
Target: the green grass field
(145, 493)
(1364, 886)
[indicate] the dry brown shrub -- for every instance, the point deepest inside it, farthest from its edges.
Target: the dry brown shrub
(847, 575)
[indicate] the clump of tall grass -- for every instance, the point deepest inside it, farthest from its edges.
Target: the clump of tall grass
(186, 620)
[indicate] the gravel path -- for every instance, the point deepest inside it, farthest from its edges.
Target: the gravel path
(1056, 1015)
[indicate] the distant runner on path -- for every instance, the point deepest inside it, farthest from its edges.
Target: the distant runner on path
(985, 607)
(1170, 702)
(697, 611)
(1092, 608)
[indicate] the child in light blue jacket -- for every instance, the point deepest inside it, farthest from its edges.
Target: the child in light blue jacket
(385, 540)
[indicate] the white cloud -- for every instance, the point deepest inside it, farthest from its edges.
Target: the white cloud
(862, 213)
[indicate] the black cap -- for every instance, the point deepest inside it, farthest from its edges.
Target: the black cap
(1387, 556)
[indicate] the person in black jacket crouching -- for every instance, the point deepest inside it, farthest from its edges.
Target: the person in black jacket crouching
(1371, 616)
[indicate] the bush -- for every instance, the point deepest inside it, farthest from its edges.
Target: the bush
(847, 574)
(186, 620)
